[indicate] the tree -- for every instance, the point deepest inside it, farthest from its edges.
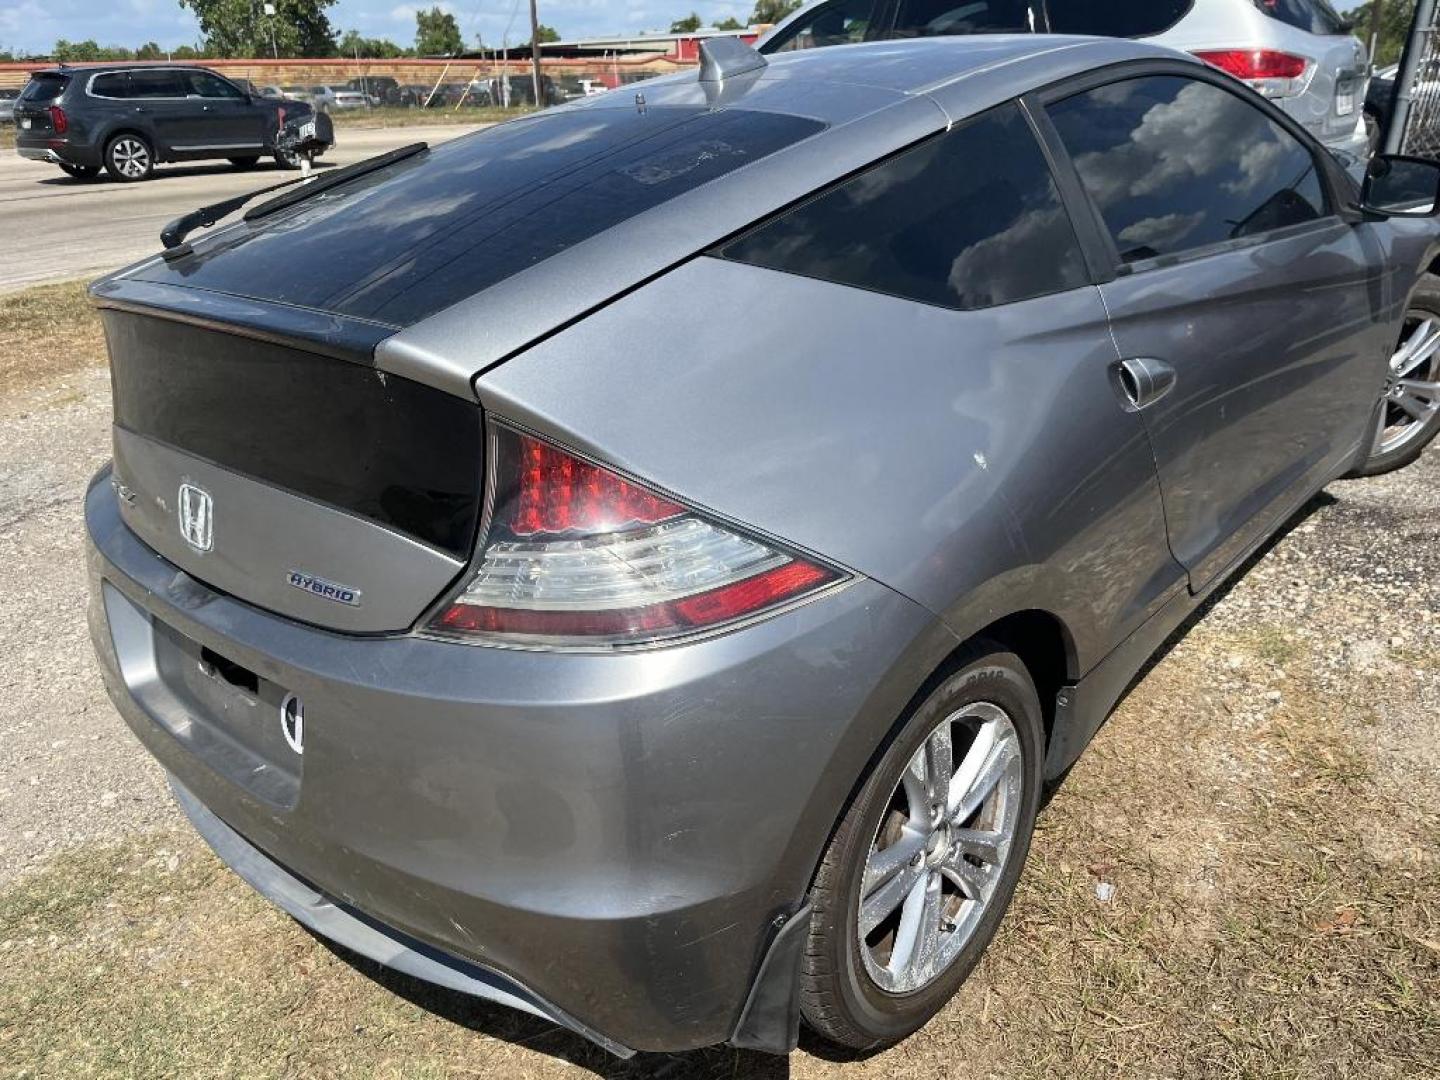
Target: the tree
(353, 44)
(547, 33)
(687, 25)
(189, 52)
(729, 23)
(768, 12)
(1395, 19)
(72, 52)
(437, 33)
(150, 51)
(240, 28)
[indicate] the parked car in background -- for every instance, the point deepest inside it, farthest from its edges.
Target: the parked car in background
(128, 118)
(328, 98)
(295, 93)
(7, 105)
(378, 89)
(676, 699)
(1298, 53)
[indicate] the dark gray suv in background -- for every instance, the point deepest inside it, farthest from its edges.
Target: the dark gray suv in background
(643, 563)
(127, 118)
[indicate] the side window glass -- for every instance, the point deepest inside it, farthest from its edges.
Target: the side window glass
(841, 22)
(1176, 164)
(967, 219)
(936, 18)
(157, 83)
(114, 85)
(204, 84)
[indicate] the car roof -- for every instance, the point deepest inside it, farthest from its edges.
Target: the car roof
(852, 104)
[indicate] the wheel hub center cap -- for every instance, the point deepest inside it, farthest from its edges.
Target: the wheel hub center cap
(937, 847)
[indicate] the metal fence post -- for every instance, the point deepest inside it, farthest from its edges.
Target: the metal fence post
(1417, 51)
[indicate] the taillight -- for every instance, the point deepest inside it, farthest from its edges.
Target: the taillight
(58, 120)
(577, 555)
(1272, 73)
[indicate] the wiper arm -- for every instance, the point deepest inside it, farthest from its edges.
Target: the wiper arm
(330, 179)
(173, 235)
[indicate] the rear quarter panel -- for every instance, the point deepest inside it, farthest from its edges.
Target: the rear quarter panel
(978, 462)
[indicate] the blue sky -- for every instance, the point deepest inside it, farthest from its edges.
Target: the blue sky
(33, 25)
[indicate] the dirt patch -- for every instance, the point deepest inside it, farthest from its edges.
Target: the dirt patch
(48, 335)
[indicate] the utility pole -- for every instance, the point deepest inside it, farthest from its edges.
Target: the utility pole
(1377, 20)
(535, 51)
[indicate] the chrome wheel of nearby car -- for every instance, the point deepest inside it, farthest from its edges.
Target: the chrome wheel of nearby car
(937, 856)
(1412, 387)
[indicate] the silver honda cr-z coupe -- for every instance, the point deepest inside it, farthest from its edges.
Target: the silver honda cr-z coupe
(644, 563)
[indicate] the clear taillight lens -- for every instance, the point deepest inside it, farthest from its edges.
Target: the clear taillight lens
(1268, 71)
(577, 555)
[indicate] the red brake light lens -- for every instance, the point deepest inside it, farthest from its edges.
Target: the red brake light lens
(1273, 73)
(58, 120)
(578, 555)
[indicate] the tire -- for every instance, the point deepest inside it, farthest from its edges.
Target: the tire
(862, 994)
(249, 161)
(1398, 437)
(287, 160)
(129, 157)
(80, 172)
(1372, 133)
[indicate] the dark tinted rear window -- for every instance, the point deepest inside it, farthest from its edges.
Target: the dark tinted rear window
(1115, 18)
(1314, 16)
(414, 237)
(44, 87)
(967, 219)
(116, 84)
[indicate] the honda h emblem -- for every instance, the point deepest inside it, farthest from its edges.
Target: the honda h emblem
(197, 517)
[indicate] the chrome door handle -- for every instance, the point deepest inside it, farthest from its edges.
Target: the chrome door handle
(1144, 380)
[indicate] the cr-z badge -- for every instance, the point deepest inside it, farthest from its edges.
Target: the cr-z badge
(326, 590)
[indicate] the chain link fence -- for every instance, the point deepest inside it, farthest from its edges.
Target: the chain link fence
(1415, 127)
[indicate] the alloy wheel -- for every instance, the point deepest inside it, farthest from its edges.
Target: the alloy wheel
(1412, 385)
(131, 157)
(939, 852)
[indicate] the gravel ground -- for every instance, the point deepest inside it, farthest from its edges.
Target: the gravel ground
(70, 772)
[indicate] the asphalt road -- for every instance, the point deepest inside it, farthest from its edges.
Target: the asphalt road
(55, 227)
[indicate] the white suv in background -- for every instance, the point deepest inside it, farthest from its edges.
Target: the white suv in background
(1298, 52)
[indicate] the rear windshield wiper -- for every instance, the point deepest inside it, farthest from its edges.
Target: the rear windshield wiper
(173, 235)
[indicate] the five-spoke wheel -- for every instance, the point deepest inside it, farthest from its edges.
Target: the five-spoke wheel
(1408, 415)
(940, 849)
(923, 864)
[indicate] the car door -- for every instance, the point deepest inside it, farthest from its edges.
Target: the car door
(224, 121)
(157, 100)
(1246, 311)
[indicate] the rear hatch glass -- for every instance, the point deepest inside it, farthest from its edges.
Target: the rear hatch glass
(1312, 16)
(44, 88)
(407, 240)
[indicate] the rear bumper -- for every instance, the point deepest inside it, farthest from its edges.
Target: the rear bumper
(55, 151)
(617, 837)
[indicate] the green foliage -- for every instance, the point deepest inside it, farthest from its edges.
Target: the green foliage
(547, 33)
(437, 33)
(72, 52)
(1395, 19)
(353, 44)
(772, 11)
(687, 25)
(240, 28)
(150, 51)
(729, 23)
